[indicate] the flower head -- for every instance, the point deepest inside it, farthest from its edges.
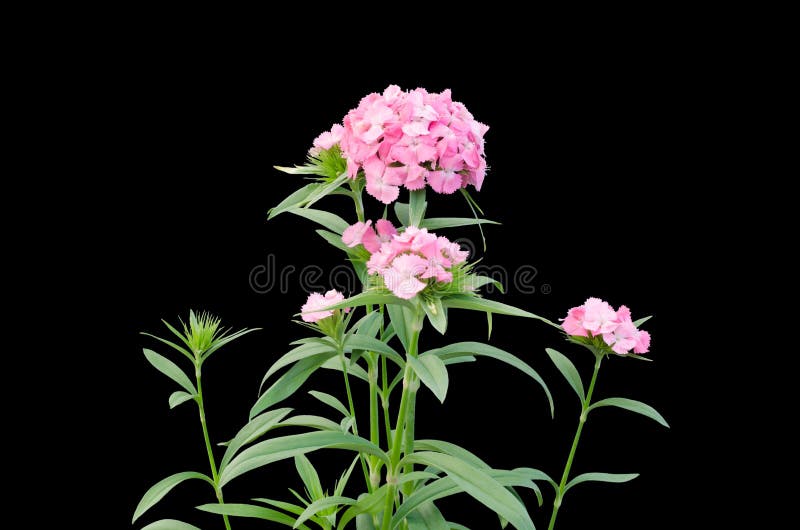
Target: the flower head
(596, 318)
(319, 301)
(407, 139)
(406, 261)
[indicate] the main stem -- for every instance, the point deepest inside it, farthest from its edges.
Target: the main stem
(586, 404)
(404, 423)
(211, 461)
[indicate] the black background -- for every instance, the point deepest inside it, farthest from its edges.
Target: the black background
(591, 178)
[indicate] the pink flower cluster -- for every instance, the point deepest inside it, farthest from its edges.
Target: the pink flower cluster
(596, 317)
(404, 260)
(410, 138)
(319, 301)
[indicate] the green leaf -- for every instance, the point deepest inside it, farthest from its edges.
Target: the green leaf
(364, 522)
(222, 341)
(289, 382)
(473, 206)
(436, 314)
(325, 189)
(416, 476)
(251, 511)
(254, 429)
(444, 487)
(159, 490)
(316, 506)
(369, 325)
(427, 517)
(436, 223)
(433, 373)
(368, 504)
(332, 222)
(179, 397)
(335, 240)
(331, 402)
(401, 210)
(312, 422)
(296, 199)
(569, 372)
(416, 206)
(642, 321)
(342, 482)
(465, 301)
(469, 349)
(355, 370)
(448, 448)
(170, 369)
(286, 506)
(456, 526)
(276, 449)
(170, 524)
(297, 354)
(601, 477)
(309, 476)
(633, 406)
(476, 281)
(398, 319)
(367, 343)
(479, 485)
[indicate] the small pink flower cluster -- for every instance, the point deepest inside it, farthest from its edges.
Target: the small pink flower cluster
(318, 301)
(403, 260)
(410, 138)
(596, 317)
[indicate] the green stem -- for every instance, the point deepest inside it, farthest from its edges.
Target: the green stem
(358, 199)
(581, 421)
(211, 461)
(374, 417)
(397, 443)
(405, 424)
(353, 415)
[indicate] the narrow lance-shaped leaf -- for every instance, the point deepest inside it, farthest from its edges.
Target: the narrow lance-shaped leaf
(159, 490)
(289, 382)
(254, 429)
(170, 524)
(250, 511)
(464, 301)
(297, 354)
(433, 373)
(332, 222)
(633, 406)
(178, 397)
(309, 476)
(276, 449)
(436, 223)
(569, 372)
(469, 349)
(601, 477)
(436, 314)
(479, 485)
(170, 369)
(296, 199)
(321, 504)
(331, 401)
(427, 517)
(446, 486)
